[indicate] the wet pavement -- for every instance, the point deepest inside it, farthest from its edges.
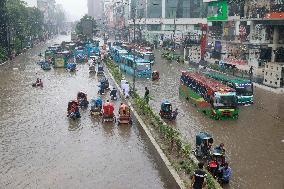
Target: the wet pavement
(41, 148)
(254, 143)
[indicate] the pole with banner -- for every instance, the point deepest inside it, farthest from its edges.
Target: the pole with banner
(203, 40)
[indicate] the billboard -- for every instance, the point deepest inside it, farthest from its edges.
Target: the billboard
(59, 62)
(217, 10)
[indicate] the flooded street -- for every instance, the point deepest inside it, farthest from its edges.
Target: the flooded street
(41, 148)
(254, 143)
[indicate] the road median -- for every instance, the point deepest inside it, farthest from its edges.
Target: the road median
(175, 152)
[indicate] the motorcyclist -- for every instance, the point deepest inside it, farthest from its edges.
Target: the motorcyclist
(37, 81)
(226, 173)
(175, 113)
(40, 83)
(102, 88)
(113, 94)
(221, 148)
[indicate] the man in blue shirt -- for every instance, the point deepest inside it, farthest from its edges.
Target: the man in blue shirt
(226, 173)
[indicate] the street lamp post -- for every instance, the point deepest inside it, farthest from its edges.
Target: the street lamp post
(134, 58)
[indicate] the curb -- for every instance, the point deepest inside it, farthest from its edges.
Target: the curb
(167, 163)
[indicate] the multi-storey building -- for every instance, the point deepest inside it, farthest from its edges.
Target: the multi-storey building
(48, 7)
(246, 33)
(116, 14)
(167, 19)
(96, 8)
(274, 74)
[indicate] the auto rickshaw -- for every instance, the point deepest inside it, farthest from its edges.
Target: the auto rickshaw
(124, 115)
(96, 106)
(203, 145)
(92, 68)
(216, 162)
(113, 94)
(38, 83)
(108, 112)
(71, 67)
(95, 58)
(100, 70)
(166, 111)
(73, 110)
(80, 58)
(155, 75)
(82, 99)
(104, 85)
(104, 80)
(45, 65)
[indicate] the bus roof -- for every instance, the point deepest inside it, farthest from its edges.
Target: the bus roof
(119, 49)
(137, 59)
(63, 52)
(226, 78)
(208, 82)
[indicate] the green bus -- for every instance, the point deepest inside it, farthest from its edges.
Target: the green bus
(243, 87)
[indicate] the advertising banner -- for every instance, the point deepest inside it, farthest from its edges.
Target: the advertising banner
(217, 10)
(59, 62)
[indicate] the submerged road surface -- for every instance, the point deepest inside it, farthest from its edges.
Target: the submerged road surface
(41, 148)
(254, 143)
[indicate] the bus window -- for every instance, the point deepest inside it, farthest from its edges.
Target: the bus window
(225, 101)
(149, 57)
(142, 67)
(247, 90)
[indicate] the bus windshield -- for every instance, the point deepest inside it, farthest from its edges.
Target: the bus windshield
(247, 90)
(225, 101)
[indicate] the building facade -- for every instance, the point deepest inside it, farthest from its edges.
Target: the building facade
(48, 7)
(96, 8)
(246, 33)
(242, 33)
(167, 19)
(274, 74)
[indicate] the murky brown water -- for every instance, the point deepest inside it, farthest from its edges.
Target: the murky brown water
(41, 148)
(253, 142)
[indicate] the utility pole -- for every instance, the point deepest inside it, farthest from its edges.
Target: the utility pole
(134, 58)
(175, 27)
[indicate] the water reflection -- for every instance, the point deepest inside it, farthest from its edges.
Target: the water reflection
(124, 131)
(74, 125)
(42, 148)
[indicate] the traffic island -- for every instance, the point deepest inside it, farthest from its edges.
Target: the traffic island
(175, 152)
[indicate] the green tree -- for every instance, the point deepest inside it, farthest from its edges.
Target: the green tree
(24, 23)
(86, 28)
(3, 31)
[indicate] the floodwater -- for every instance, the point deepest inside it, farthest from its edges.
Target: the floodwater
(41, 148)
(254, 143)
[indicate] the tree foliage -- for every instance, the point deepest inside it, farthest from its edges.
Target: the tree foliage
(85, 31)
(19, 24)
